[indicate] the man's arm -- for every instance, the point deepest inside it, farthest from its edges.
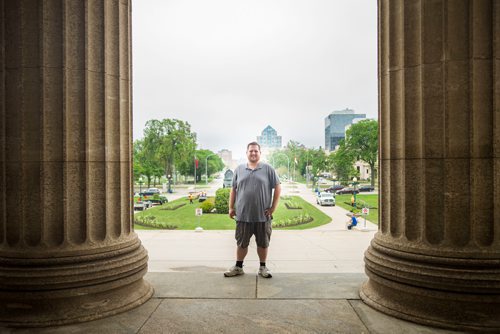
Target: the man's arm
(232, 197)
(276, 198)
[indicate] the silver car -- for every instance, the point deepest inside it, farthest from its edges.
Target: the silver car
(325, 198)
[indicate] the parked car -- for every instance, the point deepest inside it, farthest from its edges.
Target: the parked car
(324, 198)
(153, 198)
(348, 190)
(366, 187)
(139, 206)
(322, 181)
(334, 188)
(153, 190)
(142, 204)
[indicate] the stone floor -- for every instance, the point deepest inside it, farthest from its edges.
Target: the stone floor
(314, 289)
(201, 302)
(317, 274)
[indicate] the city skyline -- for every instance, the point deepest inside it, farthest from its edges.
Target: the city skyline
(231, 68)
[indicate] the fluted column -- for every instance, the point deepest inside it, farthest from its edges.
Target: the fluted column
(436, 257)
(68, 252)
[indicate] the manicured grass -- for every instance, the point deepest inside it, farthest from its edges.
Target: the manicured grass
(184, 217)
(282, 212)
(370, 200)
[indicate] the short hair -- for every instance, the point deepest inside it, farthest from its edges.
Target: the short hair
(253, 143)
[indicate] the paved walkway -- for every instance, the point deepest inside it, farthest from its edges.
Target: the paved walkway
(317, 276)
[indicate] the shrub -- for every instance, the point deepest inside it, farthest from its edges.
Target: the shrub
(207, 206)
(222, 200)
(297, 220)
(150, 221)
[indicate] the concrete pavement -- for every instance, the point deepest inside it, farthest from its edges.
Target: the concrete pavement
(317, 274)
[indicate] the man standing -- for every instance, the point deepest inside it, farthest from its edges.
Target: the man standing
(252, 202)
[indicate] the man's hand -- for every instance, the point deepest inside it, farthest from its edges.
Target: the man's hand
(232, 213)
(269, 212)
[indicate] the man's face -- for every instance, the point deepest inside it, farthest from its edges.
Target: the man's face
(253, 153)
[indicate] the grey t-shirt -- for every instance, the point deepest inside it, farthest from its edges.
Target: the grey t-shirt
(254, 190)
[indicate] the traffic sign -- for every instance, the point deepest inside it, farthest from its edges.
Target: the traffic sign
(365, 211)
(198, 211)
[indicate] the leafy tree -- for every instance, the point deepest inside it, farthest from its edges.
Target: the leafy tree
(171, 140)
(144, 162)
(214, 164)
(298, 157)
(362, 140)
(342, 162)
(280, 160)
(317, 161)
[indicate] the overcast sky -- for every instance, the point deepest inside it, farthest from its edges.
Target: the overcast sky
(232, 67)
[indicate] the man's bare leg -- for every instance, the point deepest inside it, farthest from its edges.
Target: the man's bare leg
(262, 252)
(241, 253)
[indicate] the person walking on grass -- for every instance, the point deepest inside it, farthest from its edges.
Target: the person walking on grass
(252, 203)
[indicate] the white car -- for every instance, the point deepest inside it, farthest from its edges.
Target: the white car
(325, 198)
(153, 190)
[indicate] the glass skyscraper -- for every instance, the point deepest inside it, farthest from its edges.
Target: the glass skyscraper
(335, 125)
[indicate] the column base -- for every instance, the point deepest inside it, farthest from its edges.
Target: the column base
(52, 292)
(389, 291)
(43, 309)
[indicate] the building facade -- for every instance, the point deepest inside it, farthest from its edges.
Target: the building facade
(335, 126)
(227, 157)
(269, 138)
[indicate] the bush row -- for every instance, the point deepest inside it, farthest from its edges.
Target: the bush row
(294, 221)
(150, 221)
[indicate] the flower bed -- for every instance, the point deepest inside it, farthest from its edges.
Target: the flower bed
(294, 221)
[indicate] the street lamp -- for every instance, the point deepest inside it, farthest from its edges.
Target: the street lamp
(206, 167)
(354, 184)
(169, 177)
(288, 160)
(140, 184)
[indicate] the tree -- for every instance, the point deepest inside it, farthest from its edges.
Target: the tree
(362, 140)
(342, 162)
(214, 163)
(317, 161)
(144, 162)
(171, 140)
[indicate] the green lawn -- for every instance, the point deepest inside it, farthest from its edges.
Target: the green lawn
(184, 217)
(371, 201)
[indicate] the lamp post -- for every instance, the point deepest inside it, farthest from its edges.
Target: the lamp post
(307, 170)
(206, 167)
(354, 184)
(195, 167)
(169, 177)
(140, 184)
(288, 159)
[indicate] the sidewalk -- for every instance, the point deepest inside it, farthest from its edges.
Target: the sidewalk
(317, 274)
(314, 289)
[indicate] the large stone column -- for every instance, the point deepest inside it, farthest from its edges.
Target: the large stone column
(436, 257)
(68, 252)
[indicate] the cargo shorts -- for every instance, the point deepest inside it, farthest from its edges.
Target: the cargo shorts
(261, 230)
